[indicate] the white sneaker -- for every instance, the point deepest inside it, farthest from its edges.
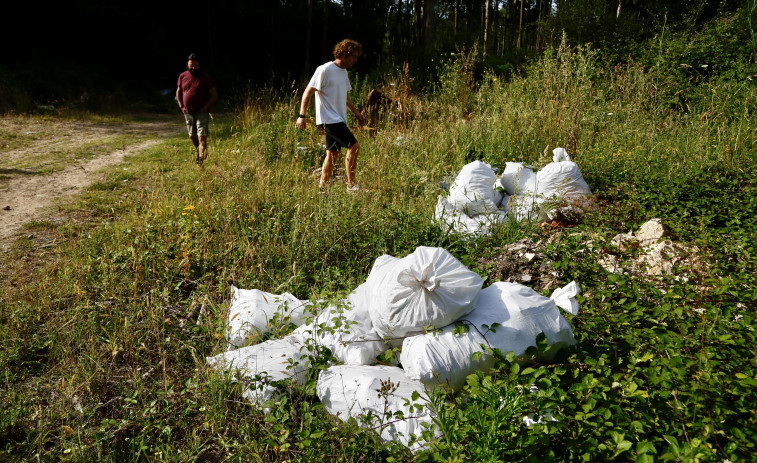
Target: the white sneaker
(354, 187)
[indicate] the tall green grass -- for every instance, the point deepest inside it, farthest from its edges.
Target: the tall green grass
(104, 339)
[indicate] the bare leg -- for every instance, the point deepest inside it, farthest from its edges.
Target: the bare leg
(350, 162)
(328, 167)
(196, 142)
(203, 149)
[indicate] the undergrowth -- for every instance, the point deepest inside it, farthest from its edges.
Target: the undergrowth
(103, 342)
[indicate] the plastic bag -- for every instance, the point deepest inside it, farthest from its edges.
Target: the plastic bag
(459, 222)
(518, 179)
(473, 192)
(561, 179)
(355, 391)
(261, 365)
(347, 330)
(429, 288)
(507, 316)
(252, 310)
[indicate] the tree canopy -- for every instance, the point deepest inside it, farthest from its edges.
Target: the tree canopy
(67, 48)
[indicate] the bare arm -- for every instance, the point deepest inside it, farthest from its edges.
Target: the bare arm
(213, 98)
(180, 99)
(306, 96)
(354, 111)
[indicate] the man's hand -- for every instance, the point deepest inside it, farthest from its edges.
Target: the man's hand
(306, 95)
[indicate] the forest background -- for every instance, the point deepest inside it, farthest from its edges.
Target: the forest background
(99, 55)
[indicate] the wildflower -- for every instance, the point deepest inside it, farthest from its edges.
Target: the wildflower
(189, 207)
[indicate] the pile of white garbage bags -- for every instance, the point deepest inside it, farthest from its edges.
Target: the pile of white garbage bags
(508, 317)
(478, 199)
(414, 302)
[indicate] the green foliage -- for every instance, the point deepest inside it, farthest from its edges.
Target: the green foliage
(104, 343)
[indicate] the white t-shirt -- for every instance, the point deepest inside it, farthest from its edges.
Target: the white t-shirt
(332, 84)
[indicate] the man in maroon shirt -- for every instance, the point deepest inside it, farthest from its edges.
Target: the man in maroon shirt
(196, 93)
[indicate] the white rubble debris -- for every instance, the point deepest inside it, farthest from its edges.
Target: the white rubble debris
(657, 257)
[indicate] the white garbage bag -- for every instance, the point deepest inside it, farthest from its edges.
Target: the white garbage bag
(518, 179)
(427, 289)
(527, 206)
(561, 179)
(346, 329)
(521, 182)
(261, 365)
(473, 192)
(499, 198)
(460, 222)
(251, 311)
(356, 391)
(446, 359)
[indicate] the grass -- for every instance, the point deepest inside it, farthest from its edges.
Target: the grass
(104, 335)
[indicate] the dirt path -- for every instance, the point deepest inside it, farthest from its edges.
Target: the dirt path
(28, 193)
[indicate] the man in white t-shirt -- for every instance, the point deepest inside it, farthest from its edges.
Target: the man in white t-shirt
(330, 85)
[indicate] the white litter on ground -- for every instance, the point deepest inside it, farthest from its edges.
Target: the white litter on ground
(346, 330)
(478, 199)
(415, 302)
(252, 311)
(507, 316)
(428, 289)
(379, 398)
(261, 365)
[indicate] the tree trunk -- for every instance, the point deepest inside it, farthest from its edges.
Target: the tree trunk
(457, 9)
(520, 25)
(539, 6)
(418, 20)
(620, 5)
(486, 25)
(429, 20)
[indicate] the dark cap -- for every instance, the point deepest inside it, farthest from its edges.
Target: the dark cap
(193, 57)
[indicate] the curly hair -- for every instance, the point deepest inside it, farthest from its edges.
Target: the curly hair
(347, 47)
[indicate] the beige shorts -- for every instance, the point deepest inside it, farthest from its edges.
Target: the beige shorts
(197, 124)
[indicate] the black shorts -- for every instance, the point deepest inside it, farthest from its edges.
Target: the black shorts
(337, 136)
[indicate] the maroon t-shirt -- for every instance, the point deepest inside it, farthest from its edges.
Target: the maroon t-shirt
(195, 90)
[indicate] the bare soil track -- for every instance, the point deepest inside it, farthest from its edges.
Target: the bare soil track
(41, 162)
